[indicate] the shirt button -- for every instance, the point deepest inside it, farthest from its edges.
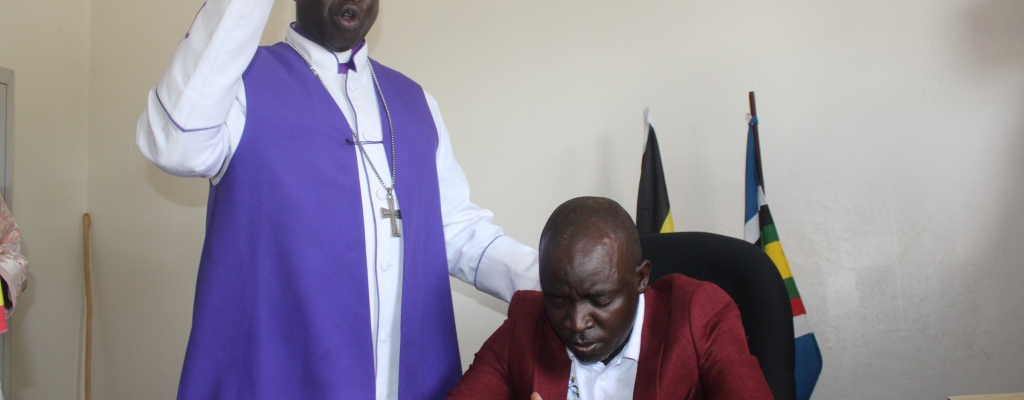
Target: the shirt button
(385, 266)
(382, 194)
(385, 336)
(604, 378)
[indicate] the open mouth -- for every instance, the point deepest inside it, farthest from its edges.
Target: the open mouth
(583, 348)
(348, 17)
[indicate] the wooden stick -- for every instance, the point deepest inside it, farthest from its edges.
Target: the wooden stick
(86, 223)
(757, 141)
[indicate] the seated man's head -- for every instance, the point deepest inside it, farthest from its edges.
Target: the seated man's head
(592, 273)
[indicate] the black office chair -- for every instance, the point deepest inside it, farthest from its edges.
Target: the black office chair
(746, 273)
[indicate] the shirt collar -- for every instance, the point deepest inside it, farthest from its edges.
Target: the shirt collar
(355, 59)
(632, 348)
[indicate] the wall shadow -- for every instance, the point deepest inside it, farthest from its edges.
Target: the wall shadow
(996, 47)
(479, 297)
(186, 192)
(996, 30)
(281, 16)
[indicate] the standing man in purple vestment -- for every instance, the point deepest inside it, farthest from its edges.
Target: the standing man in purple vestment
(336, 211)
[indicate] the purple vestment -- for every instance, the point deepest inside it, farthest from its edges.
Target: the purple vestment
(282, 308)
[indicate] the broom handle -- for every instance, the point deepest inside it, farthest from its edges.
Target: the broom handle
(86, 222)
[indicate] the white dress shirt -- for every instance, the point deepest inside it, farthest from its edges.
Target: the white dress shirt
(195, 119)
(615, 380)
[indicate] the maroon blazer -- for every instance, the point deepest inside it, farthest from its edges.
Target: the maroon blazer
(693, 347)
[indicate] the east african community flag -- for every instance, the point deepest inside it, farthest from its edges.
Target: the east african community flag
(653, 214)
(760, 230)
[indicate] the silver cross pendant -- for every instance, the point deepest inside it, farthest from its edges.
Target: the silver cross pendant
(392, 214)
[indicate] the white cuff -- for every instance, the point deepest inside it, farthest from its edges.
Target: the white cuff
(505, 267)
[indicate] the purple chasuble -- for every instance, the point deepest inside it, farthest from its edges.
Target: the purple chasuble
(282, 307)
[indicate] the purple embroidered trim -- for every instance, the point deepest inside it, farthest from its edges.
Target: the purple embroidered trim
(351, 64)
(170, 117)
(295, 27)
(343, 68)
(477, 271)
(189, 33)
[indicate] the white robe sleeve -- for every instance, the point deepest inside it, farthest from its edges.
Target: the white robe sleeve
(479, 253)
(196, 113)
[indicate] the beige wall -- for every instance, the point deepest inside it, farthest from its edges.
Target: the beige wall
(46, 43)
(892, 136)
(893, 139)
(148, 225)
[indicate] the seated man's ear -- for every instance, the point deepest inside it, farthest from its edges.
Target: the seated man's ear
(643, 276)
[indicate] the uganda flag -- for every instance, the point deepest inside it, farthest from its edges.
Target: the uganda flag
(653, 214)
(760, 230)
(3, 315)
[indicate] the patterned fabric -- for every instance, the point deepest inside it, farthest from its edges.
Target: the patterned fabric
(574, 389)
(13, 266)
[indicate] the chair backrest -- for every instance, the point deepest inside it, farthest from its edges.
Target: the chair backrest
(748, 275)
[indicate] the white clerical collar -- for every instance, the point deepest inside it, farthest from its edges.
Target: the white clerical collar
(326, 60)
(632, 348)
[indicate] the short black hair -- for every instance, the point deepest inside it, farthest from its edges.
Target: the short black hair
(578, 215)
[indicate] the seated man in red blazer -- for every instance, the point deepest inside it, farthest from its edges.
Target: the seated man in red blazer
(598, 331)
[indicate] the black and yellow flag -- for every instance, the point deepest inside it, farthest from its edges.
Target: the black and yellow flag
(653, 214)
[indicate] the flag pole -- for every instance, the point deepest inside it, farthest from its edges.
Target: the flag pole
(757, 141)
(647, 126)
(86, 223)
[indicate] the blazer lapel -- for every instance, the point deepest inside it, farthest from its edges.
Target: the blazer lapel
(551, 376)
(652, 345)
